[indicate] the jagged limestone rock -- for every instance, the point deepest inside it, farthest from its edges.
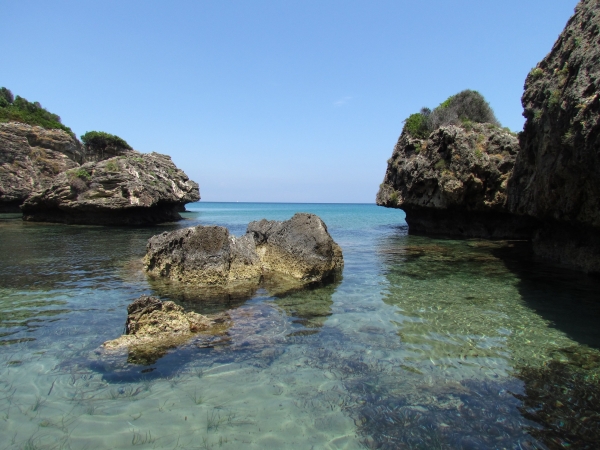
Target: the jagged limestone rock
(30, 157)
(154, 326)
(556, 178)
(454, 182)
(131, 189)
(300, 249)
(202, 255)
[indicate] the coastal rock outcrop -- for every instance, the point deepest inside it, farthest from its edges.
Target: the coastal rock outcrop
(300, 249)
(556, 178)
(30, 157)
(131, 189)
(454, 182)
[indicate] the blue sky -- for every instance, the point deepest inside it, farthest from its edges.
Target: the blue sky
(282, 101)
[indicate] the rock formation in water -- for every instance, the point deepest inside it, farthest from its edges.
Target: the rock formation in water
(299, 249)
(480, 183)
(453, 182)
(131, 189)
(30, 157)
(154, 326)
(556, 178)
(41, 174)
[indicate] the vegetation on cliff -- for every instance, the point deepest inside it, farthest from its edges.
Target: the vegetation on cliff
(100, 142)
(465, 107)
(19, 109)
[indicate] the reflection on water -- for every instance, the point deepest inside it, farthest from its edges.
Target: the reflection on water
(424, 343)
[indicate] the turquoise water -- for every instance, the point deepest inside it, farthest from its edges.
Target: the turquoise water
(423, 343)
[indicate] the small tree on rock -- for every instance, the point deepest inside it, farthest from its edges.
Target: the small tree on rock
(466, 106)
(104, 144)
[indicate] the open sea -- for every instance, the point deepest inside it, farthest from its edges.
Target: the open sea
(422, 344)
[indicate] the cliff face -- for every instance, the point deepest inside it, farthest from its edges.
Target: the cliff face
(546, 187)
(556, 177)
(131, 189)
(30, 157)
(454, 182)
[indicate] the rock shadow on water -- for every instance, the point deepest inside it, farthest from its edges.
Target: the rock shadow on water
(563, 395)
(526, 308)
(310, 306)
(568, 300)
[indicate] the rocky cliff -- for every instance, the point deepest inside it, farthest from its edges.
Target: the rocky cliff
(30, 157)
(556, 177)
(454, 182)
(481, 182)
(131, 189)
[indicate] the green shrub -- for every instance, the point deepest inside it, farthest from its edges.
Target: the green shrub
(563, 74)
(112, 166)
(19, 109)
(441, 164)
(394, 198)
(6, 95)
(416, 124)
(554, 99)
(536, 73)
(466, 107)
(99, 142)
(81, 173)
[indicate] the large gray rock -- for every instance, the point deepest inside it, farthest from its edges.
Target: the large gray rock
(131, 189)
(202, 255)
(454, 182)
(556, 178)
(30, 158)
(300, 248)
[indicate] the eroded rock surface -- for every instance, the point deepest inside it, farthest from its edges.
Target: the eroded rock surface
(557, 173)
(300, 248)
(131, 189)
(30, 157)
(454, 182)
(154, 326)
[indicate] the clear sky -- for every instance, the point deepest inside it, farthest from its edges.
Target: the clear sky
(282, 101)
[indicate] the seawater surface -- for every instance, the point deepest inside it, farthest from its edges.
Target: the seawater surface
(423, 343)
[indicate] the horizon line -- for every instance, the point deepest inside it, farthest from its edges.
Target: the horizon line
(287, 203)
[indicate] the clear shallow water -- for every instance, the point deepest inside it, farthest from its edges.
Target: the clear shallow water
(424, 343)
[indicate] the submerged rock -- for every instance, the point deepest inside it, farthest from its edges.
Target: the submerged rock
(154, 326)
(299, 249)
(131, 189)
(30, 157)
(454, 182)
(556, 178)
